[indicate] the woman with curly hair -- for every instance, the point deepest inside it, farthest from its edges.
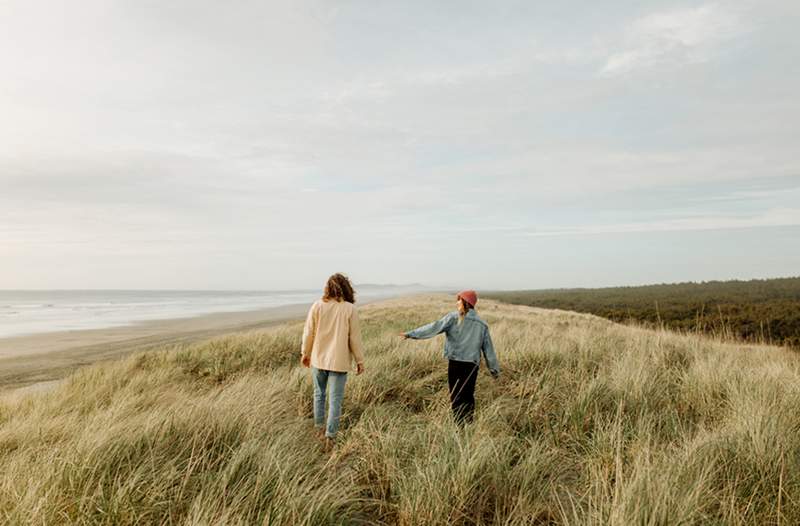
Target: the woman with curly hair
(331, 341)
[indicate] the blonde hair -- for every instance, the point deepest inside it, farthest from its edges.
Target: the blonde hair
(467, 307)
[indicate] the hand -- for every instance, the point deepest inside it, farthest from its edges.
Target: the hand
(359, 368)
(403, 335)
(306, 361)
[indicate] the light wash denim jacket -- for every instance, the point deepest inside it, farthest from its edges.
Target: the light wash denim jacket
(465, 340)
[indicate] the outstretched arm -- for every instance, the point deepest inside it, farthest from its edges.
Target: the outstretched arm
(489, 355)
(432, 329)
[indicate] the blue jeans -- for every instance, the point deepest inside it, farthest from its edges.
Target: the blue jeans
(321, 380)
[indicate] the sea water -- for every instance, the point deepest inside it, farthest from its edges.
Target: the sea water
(30, 312)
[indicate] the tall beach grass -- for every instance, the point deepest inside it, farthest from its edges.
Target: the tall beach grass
(590, 423)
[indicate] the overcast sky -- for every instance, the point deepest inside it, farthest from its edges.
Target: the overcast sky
(259, 145)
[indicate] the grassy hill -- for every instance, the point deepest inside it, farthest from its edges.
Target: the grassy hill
(590, 423)
(759, 310)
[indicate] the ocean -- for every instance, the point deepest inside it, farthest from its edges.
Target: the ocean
(24, 312)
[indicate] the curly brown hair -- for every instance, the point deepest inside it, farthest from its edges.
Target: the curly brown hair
(339, 288)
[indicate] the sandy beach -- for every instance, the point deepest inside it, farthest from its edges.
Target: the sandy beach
(45, 358)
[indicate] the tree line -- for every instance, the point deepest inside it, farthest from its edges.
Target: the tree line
(759, 310)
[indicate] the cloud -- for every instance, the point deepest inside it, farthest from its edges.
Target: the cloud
(674, 37)
(302, 132)
(777, 217)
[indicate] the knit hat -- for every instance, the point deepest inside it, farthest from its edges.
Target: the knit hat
(470, 296)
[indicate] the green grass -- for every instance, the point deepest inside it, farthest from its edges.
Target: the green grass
(590, 423)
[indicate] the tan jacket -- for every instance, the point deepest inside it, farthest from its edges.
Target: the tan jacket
(332, 335)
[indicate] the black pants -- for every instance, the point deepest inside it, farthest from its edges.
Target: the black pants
(461, 378)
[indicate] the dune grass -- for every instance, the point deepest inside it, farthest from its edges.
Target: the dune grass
(590, 423)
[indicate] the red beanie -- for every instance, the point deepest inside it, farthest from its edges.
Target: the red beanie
(470, 296)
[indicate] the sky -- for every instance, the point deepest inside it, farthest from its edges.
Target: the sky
(266, 145)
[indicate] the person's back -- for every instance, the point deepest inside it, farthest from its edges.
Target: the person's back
(335, 335)
(465, 337)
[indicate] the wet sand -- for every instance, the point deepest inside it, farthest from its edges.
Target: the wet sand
(45, 358)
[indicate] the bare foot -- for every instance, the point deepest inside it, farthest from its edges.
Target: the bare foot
(329, 444)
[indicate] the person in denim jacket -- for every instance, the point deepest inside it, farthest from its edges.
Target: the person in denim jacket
(466, 339)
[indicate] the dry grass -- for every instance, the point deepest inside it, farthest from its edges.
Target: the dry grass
(590, 423)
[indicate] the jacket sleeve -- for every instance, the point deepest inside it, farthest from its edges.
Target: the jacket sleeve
(432, 329)
(487, 347)
(309, 331)
(356, 347)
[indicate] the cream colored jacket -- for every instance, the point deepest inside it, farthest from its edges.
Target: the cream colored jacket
(332, 336)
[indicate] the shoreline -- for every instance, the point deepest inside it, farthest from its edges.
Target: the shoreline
(42, 359)
(34, 362)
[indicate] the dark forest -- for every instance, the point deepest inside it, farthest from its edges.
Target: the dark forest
(759, 311)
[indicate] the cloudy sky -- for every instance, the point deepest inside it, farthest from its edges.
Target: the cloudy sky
(258, 145)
